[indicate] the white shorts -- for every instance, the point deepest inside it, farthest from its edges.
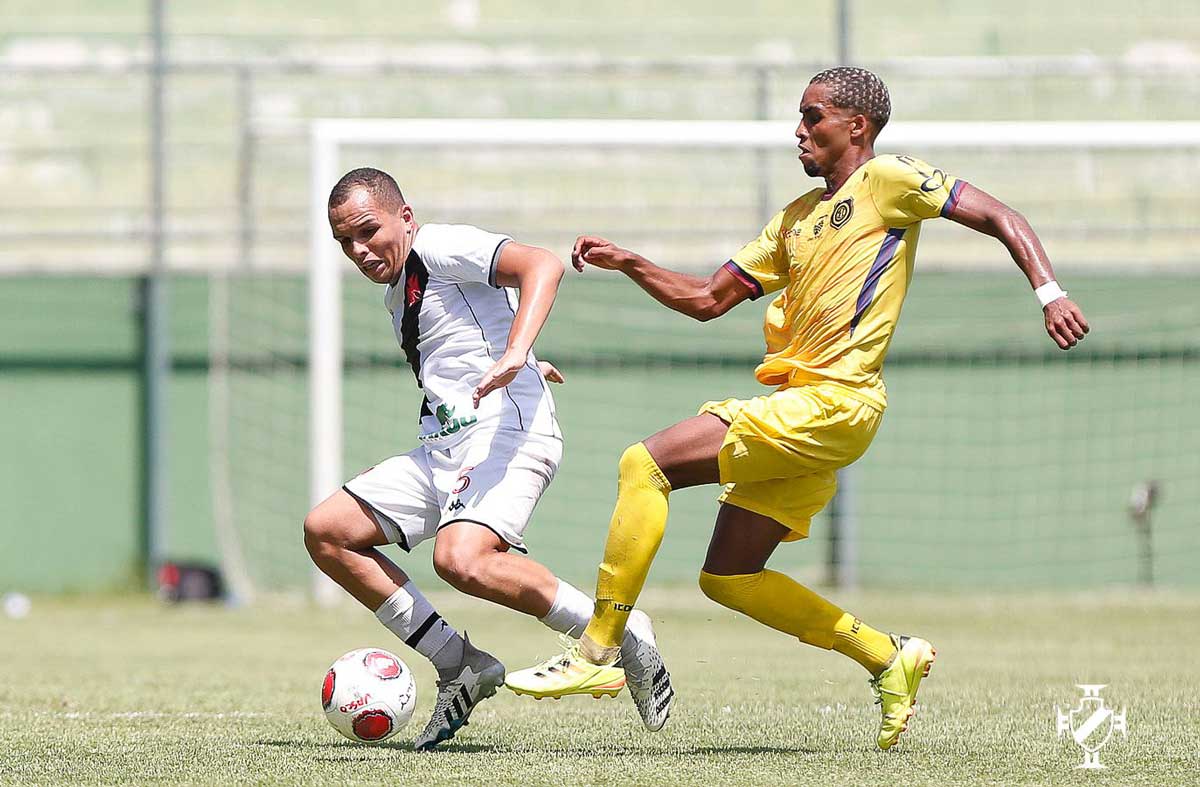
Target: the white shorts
(494, 479)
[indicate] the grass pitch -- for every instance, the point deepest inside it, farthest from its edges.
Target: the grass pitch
(128, 691)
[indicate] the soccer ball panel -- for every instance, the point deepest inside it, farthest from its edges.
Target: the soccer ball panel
(327, 689)
(368, 695)
(373, 724)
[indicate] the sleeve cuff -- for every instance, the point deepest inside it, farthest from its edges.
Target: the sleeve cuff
(496, 261)
(952, 201)
(756, 289)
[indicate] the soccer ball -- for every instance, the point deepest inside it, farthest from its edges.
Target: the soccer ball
(368, 695)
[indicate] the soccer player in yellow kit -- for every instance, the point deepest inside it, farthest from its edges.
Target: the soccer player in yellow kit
(841, 258)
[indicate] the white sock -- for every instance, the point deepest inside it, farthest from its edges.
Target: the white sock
(570, 612)
(410, 616)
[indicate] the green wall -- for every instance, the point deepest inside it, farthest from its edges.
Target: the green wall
(1001, 463)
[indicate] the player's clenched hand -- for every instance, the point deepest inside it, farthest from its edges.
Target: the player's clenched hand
(551, 372)
(1065, 323)
(591, 250)
(503, 372)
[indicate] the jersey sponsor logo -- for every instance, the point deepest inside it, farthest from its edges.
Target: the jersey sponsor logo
(841, 214)
(818, 227)
(933, 180)
(450, 424)
(792, 241)
(455, 505)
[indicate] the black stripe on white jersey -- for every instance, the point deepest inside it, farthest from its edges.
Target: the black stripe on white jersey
(415, 278)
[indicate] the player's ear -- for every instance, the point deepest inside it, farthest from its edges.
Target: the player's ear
(860, 128)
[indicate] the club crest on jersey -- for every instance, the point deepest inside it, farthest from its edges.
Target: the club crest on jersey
(412, 289)
(842, 212)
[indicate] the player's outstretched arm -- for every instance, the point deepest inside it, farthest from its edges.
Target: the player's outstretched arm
(536, 273)
(984, 213)
(697, 297)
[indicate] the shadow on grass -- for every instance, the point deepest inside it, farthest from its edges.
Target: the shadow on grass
(347, 750)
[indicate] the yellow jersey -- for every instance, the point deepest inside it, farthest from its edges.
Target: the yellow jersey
(844, 262)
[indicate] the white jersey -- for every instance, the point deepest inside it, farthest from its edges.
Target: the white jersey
(452, 321)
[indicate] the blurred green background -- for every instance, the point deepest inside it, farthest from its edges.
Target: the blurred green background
(1001, 463)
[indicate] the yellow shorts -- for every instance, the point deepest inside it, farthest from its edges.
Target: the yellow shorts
(782, 451)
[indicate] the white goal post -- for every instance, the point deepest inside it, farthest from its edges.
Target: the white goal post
(328, 136)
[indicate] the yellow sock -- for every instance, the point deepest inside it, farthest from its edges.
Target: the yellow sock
(636, 530)
(778, 601)
(870, 648)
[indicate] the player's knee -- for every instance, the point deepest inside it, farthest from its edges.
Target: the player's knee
(461, 569)
(638, 468)
(631, 463)
(322, 534)
(729, 591)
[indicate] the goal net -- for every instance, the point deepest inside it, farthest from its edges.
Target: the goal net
(1001, 462)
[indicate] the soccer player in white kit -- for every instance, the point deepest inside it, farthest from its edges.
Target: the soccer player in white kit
(489, 446)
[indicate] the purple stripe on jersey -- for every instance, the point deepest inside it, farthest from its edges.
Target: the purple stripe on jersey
(952, 200)
(883, 260)
(756, 289)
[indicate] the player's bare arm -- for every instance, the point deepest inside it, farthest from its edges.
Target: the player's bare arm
(536, 272)
(701, 298)
(984, 213)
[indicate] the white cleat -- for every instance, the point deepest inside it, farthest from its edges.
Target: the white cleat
(479, 675)
(645, 673)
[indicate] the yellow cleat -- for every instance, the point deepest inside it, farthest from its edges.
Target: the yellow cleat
(565, 674)
(896, 687)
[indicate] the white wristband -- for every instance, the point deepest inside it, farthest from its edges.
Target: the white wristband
(1049, 292)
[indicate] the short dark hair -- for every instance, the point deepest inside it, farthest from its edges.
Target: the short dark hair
(857, 89)
(380, 185)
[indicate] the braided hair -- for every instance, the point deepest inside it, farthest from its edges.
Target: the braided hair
(857, 89)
